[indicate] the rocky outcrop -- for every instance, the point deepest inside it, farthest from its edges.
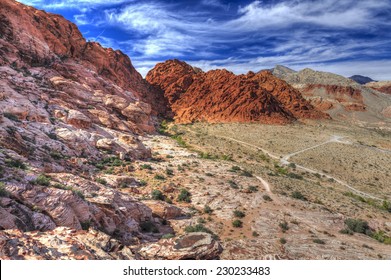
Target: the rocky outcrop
(194, 246)
(61, 244)
(340, 97)
(383, 86)
(221, 96)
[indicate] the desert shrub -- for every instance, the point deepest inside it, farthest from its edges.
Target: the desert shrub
(239, 214)
(41, 180)
(3, 191)
(11, 117)
(298, 195)
(255, 234)
(381, 237)
(267, 197)
(15, 163)
(180, 141)
(358, 225)
(253, 188)
(233, 184)
(295, 176)
(346, 231)
(292, 165)
(283, 240)
(85, 225)
(318, 241)
(142, 183)
(52, 136)
(207, 209)
(56, 155)
(101, 181)
(168, 236)
(284, 226)
(184, 196)
(237, 223)
(79, 194)
(169, 172)
(234, 168)
(227, 157)
(198, 228)
(146, 166)
(159, 177)
(157, 195)
(246, 173)
(148, 226)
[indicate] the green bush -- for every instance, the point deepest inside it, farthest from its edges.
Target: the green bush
(283, 240)
(284, 226)
(253, 189)
(168, 236)
(159, 177)
(85, 225)
(298, 195)
(148, 226)
(267, 197)
(207, 209)
(246, 173)
(239, 214)
(3, 191)
(169, 172)
(233, 184)
(358, 225)
(234, 168)
(198, 228)
(318, 241)
(184, 196)
(11, 117)
(157, 195)
(237, 223)
(79, 194)
(101, 181)
(142, 183)
(41, 180)
(15, 163)
(146, 166)
(295, 176)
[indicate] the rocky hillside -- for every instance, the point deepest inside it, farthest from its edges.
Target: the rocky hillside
(71, 117)
(221, 96)
(340, 97)
(383, 86)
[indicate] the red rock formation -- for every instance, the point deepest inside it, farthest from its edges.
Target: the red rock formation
(349, 97)
(221, 96)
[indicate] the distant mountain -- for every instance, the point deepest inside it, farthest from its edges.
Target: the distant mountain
(221, 96)
(383, 86)
(362, 80)
(340, 97)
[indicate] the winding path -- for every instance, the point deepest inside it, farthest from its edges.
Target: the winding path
(284, 160)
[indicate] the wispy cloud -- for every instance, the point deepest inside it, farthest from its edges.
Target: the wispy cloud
(242, 36)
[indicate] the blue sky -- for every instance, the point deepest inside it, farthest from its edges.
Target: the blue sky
(345, 37)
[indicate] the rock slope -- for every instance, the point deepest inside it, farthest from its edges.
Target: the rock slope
(342, 98)
(71, 117)
(221, 96)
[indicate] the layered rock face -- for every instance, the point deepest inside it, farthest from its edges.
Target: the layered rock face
(383, 86)
(340, 97)
(221, 96)
(70, 109)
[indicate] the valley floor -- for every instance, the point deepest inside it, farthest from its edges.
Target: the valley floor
(291, 187)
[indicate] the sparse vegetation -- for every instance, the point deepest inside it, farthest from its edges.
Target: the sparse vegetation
(284, 226)
(168, 236)
(3, 191)
(319, 241)
(198, 228)
(184, 196)
(42, 180)
(237, 223)
(159, 177)
(146, 166)
(11, 117)
(101, 181)
(239, 214)
(267, 197)
(157, 195)
(149, 226)
(283, 240)
(207, 209)
(298, 195)
(15, 163)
